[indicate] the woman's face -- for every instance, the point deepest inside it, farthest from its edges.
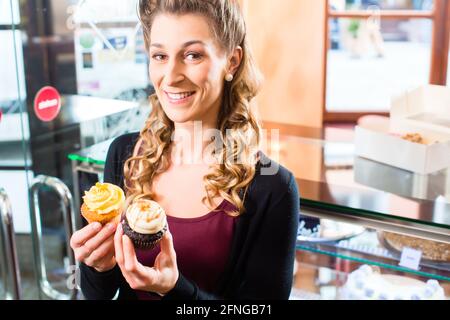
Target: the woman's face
(187, 67)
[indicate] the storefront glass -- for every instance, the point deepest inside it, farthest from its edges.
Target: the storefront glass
(92, 53)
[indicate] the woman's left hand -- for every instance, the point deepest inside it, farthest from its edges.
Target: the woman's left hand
(161, 278)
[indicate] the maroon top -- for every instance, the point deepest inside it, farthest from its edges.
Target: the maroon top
(202, 246)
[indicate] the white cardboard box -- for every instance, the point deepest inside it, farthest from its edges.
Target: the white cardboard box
(425, 110)
(426, 107)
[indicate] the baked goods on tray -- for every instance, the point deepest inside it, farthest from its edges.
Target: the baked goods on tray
(431, 250)
(368, 283)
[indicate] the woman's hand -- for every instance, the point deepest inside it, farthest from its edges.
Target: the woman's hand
(161, 278)
(94, 246)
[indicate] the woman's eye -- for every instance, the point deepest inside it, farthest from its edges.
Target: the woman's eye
(158, 57)
(192, 56)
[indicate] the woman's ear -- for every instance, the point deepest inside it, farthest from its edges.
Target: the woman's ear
(234, 60)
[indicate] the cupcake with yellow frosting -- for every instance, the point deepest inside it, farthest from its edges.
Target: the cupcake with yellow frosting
(103, 203)
(145, 223)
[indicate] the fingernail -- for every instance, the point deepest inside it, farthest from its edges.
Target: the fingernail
(96, 226)
(111, 226)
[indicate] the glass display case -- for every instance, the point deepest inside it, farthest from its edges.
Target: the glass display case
(354, 212)
(357, 212)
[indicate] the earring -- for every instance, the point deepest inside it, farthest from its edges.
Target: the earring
(229, 77)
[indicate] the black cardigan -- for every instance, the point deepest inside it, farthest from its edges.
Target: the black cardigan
(263, 247)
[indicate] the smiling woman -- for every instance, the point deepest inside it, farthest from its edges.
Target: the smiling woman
(190, 62)
(232, 224)
(188, 76)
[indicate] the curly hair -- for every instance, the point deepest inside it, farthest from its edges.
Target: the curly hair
(239, 129)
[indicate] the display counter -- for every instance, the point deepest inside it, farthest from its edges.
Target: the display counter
(353, 209)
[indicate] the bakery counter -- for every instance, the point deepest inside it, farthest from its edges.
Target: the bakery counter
(359, 211)
(323, 277)
(377, 248)
(352, 209)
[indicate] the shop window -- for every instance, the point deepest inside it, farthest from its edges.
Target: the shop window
(367, 64)
(377, 49)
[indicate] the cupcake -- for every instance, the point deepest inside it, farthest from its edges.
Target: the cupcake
(103, 203)
(145, 223)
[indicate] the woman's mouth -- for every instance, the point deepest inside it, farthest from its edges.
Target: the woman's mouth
(179, 97)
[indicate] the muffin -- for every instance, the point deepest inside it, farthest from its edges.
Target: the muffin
(103, 203)
(414, 137)
(145, 223)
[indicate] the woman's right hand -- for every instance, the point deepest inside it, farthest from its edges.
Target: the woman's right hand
(94, 246)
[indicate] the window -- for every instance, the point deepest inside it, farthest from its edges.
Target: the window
(11, 56)
(379, 48)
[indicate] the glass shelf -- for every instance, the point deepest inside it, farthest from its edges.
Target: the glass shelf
(321, 277)
(366, 248)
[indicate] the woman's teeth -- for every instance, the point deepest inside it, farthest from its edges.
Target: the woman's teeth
(180, 96)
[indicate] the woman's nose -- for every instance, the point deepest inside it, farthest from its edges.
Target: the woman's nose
(174, 73)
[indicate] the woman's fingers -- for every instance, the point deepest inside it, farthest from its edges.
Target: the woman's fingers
(80, 237)
(129, 255)
(131, 262)
(95, 242)
(105, 250)
(137, 275)
(118, 245)
(167, 245)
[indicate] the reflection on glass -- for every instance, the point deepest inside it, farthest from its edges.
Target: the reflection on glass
(11, 88)
(109, 48)
(5, 12)
(331, 175)
(421, 5)
(110, 61)
(369, 63)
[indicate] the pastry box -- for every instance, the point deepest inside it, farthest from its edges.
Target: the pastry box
(416, 137)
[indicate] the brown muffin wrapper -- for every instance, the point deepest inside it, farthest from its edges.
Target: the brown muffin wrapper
(145, 244)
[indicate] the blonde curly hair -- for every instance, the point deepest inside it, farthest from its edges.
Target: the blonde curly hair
(239, 129)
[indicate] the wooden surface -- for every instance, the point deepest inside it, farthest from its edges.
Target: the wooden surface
(440, 43)
(287, 41)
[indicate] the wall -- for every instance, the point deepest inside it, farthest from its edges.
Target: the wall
(287, 40)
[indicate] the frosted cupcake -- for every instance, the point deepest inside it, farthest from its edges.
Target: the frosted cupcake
(145, 223)
(103, 203)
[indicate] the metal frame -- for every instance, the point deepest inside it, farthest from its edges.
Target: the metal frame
(392, 225)
(11, 261)
(69, 222)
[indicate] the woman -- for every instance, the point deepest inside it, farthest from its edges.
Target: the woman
(232, 219)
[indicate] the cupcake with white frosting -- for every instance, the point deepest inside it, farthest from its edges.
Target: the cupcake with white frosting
(145, 223)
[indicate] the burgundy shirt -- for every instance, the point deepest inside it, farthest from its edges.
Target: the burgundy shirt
(202, 246)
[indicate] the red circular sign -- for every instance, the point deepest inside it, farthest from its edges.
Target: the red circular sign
(47, 104)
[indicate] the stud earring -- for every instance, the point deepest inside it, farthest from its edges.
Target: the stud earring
(229, 77)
